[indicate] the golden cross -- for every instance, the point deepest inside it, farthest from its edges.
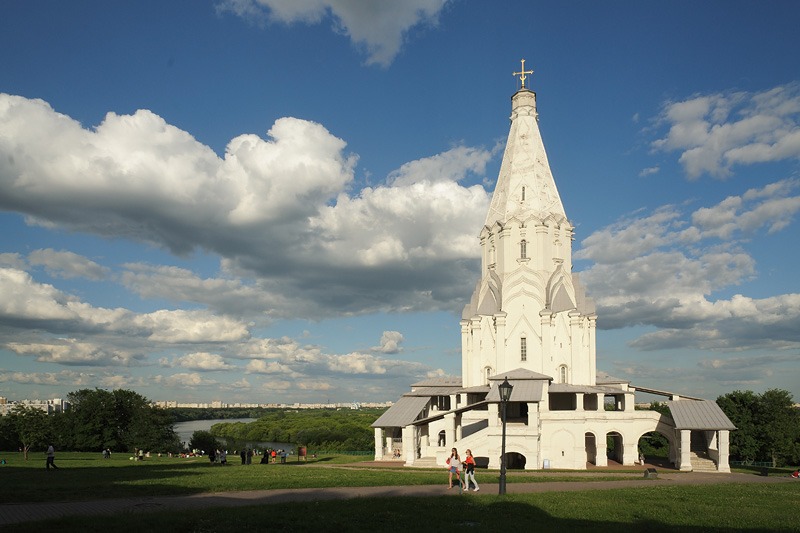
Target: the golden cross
(521, 74)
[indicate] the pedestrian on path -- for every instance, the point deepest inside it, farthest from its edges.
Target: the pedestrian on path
(469, 471)
(51, 458)
(453, 464)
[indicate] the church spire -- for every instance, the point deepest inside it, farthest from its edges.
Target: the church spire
(525, 185)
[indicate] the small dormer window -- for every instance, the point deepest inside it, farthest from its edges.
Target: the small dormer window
(523, 249)
(523, 349)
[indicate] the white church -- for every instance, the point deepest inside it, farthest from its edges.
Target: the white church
(530, 321)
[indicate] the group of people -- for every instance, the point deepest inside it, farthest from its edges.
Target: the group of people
(218, 456)
(456, 466)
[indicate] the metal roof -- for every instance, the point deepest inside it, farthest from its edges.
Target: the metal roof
(402, 413)
(449, 381)
(519, 373)
(527, 390)
(586, 389)
(433, 391)
(703, 414)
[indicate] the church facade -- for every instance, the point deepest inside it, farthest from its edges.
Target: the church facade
(530, 321)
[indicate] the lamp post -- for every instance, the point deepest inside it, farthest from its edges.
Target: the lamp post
(505, 394)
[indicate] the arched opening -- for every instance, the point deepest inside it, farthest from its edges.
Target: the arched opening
(591, 448)
(614, 447)
(442, 440)
(654, 448)
(515, 461)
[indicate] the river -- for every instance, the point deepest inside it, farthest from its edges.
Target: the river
(186, 429)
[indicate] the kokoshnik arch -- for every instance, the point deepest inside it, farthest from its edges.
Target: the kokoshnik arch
(529, 320)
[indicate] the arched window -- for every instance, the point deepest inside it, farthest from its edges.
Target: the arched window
(523, 349)
(523, 249)
(562, 374)
(523, 193)
(487, 373)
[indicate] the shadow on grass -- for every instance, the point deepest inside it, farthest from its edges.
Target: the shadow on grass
(390, 513)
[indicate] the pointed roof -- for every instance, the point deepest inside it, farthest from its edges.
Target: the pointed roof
(525, 185)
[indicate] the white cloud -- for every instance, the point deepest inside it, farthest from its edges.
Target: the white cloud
(74, 352)
(716, 132)
(276, 210)
(661, 270)
(67, 265)
(390, 343)
(379, 26)
(203, 361)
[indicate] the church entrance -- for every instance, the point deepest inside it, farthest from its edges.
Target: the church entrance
(515, 461)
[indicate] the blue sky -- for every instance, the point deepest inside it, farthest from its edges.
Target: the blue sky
(275, 201)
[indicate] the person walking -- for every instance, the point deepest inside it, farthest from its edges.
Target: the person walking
(469, 471)
(51, 458)
(453, 463)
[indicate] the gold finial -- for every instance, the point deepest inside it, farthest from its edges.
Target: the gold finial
(521, 74)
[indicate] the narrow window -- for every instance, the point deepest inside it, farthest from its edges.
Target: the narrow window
(523, 349)
(523, 193)
(523, 249)
(562, 374)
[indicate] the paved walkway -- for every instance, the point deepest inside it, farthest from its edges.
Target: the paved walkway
(26, 512)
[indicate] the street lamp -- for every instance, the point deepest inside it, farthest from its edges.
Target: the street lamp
(505, 394)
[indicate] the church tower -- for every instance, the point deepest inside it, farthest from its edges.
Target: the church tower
(528, 311)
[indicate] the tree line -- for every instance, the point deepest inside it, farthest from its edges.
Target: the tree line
(768, 426)
(339, 430)
(119, 420)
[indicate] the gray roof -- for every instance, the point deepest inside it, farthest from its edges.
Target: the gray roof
(402, 413)
(703, 414)
(449, 381)
(526, 390)
(586, 389)
(519, 373)
(433, 391)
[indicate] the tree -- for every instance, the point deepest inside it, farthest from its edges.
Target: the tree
(768, 426)
(32, 427)
(120, 420)
(203, 440)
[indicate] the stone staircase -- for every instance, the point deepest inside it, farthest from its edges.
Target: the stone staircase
(698, 455)
(425, 462)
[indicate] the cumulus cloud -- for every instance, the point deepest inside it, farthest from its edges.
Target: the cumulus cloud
(379, 26)
(390, 343)
(276, 210)
(67, 265)
(714, 133)
(203, 361)
(74, 352)
(662, 269)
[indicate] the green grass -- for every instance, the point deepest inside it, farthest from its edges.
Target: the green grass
(660, 507)
(83, 476)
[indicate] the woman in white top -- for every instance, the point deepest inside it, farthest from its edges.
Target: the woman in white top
(453, 463)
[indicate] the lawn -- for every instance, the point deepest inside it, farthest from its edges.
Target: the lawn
(716, 508)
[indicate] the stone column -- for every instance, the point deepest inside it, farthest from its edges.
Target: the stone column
(602, 450)
(378, 444)
(629, 453)
(685, 463)
(408, 445)
(494, 415)
(579, 401)
(450, 429)
(722, 440)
